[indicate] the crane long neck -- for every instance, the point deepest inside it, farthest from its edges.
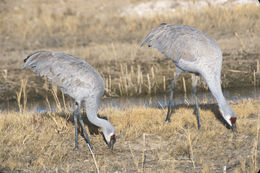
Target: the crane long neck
(215, 88)
(94, 119)
(226, 111)
(218, 94)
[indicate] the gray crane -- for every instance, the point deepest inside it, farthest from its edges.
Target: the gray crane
(79, 80)
(192, 51)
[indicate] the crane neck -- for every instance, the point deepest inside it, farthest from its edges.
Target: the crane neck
(94, 119)
(215, 88)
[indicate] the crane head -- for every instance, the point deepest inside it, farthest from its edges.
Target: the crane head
(111, 142)
(233, 123)
(109, 135)
(229, 116)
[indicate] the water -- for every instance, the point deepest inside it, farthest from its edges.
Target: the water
(159, 101)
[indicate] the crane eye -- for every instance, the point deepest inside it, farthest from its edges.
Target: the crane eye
(233, 120)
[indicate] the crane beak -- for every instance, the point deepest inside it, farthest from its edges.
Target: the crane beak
(234, 127)
(112, 142)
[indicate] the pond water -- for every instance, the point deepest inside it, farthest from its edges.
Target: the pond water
(159, 101)
(179, 98)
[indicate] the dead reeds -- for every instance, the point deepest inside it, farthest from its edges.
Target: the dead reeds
(4, 74)
(56, 99)
(19, 94)
(132, 82)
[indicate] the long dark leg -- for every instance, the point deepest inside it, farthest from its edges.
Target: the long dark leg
(79, 118)
(84, 131)
(83, 127)
(76, 127)
(178, 72)
(194, 90)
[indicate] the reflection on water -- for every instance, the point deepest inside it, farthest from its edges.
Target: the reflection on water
(179, 98)
(160, 101)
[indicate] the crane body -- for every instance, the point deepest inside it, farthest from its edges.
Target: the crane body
(80, 81)
(192, 51)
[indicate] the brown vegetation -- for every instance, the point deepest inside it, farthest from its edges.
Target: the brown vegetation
(145, 143)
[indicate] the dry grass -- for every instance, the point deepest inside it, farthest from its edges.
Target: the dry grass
(72, 26)
(44, 142)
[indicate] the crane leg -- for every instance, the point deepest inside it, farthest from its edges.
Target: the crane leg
(78, 117)
(76, 130)
(194, 90)
(178, 72)
(85, 131)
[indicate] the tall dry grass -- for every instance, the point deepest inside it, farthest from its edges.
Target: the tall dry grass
(22, 93)
(71, 26)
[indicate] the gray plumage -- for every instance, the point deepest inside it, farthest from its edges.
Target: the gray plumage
(192, 51)
(79, 80)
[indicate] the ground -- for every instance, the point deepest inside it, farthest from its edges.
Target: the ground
(145, 143)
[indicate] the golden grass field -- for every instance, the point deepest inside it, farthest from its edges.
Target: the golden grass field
(32, 142)
(97, 32)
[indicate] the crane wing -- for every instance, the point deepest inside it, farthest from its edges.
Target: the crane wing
(64, 70)
(175, 42)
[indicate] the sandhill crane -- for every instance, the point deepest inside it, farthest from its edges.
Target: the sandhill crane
(79, 80)
(192, 51)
